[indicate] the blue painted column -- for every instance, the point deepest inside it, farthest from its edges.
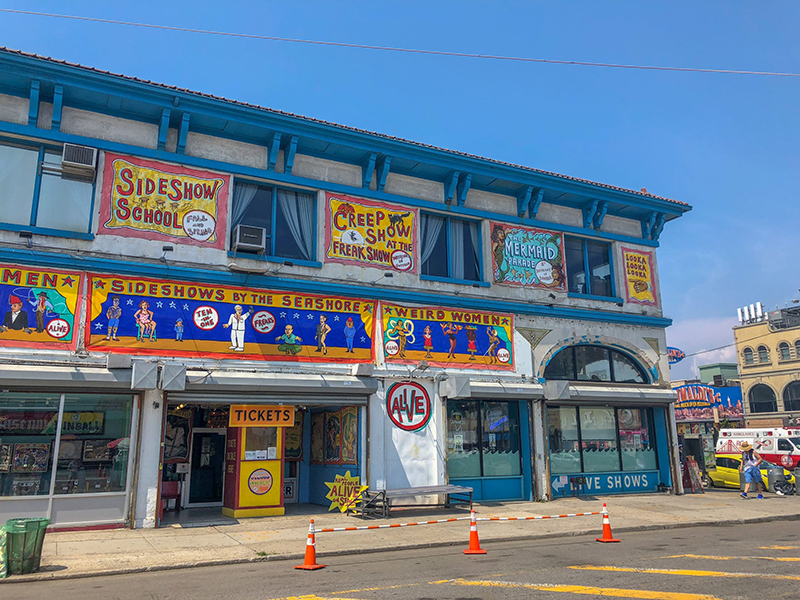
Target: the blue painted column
(663, 449)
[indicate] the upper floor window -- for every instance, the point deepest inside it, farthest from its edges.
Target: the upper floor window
(791, 396)
(589, 269)
(35, 191)
(762, 399)
(749, 357)
(450, 248)
(594, 363)
(763, 354)
(287, 216)
(784, 351)
(797, 349)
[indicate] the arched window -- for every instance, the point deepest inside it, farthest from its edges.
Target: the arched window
(594, 363)
(763, 354)
(797, 349)
(749, 358)
(784, 351)
(791, 396)
(762, 399)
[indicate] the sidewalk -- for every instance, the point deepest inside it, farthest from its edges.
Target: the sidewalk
(83, 554)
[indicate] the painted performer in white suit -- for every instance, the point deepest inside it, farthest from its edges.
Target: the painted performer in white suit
(237, 322)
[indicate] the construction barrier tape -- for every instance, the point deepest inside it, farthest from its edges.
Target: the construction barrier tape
(586, 514)
(364, 527)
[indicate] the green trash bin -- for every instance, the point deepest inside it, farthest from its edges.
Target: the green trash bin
(3, 555)
(24, 541)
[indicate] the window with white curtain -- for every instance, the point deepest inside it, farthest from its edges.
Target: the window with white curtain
(60, 201)
(450, 248)
(288, 216)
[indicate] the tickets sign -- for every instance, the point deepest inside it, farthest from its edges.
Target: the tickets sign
(640, 281)
(529, 257)
(158, 201)
(370, 234)
(38, 307)
(159, 317)
(261, 416)
(445, 337)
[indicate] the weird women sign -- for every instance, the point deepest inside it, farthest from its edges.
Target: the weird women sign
(528, 257)
(158, 201)
(370, 234)
(445, 337)
(148, 316)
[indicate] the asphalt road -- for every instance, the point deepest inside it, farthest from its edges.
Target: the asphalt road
(730, 562)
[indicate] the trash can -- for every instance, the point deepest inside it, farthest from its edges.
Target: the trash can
(24, 541)
(775, 475)
(3, 555)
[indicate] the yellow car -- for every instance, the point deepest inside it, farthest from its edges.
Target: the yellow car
(726, 474)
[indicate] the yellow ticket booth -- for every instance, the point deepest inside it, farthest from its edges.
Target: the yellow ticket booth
(254, 460)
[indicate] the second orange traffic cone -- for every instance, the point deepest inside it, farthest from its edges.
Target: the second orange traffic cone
(474, 543)
(607, 537)
(310, 562)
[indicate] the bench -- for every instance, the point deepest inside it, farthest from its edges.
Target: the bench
(378, 503)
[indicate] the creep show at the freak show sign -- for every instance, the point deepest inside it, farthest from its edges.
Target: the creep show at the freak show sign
(148, 316)
(158, 201)
(370, 234)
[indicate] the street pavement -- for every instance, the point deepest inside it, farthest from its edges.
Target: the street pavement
(698, 563)
(94, 553)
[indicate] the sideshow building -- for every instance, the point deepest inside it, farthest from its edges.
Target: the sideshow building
(212, 304)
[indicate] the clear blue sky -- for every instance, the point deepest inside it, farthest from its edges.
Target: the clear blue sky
(727, 144)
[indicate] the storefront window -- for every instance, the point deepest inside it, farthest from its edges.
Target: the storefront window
(463, 456)
(500, 439)
(599, 439)
(261, 443)
(483, 439)
(636, 439)
(562, 425)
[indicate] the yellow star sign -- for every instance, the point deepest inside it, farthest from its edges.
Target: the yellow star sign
(344, 491)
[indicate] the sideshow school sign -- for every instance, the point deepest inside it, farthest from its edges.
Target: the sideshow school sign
(158, 201)
(370, 234)
(148, 316)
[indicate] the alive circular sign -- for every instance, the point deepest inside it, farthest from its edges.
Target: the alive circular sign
(260, 482)
(408, 405)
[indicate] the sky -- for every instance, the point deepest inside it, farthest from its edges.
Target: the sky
(726, 144)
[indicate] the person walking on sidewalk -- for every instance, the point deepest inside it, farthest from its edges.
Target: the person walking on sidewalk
(750, 466)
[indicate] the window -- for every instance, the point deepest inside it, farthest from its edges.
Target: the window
(589, 268)
(483, 439)
(598, 439)
(594, 363)
(763, 354)
(785, 445)
(44, 197)
(791, 396)
(288, 217)
(784, 351)
(762, 399)
(749, 357)
(797, 349)
(450, 248)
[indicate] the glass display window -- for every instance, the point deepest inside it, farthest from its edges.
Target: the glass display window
(483, 439)
(261, 443)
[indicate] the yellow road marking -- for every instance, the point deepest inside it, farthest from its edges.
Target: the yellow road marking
(375, 589)
(310, 597)
(778, 547)
(777, 558)
(586, 590)
(687, 572)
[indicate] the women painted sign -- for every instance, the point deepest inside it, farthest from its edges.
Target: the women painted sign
(38, 307)
(639, 278)
(147, 316)
(157, 201)
(526, 256)
(445, 337)
(370, 234)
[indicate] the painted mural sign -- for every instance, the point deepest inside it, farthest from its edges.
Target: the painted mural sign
(408, 405)
(675, 355)
(697, 402)
(344, 491)
(148, 316)
(604, 483)
(445, 337)
(38, 307)
(370, 234)
(528, 257)
(639, 277)
(158, 201)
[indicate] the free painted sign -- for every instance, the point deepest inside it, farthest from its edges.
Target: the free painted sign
(408, 405)
(604, 483)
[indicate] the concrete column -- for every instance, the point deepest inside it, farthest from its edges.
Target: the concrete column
(149, 459)
(538, 437)
(676, 459)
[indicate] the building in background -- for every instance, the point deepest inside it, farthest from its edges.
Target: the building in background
(719, 374)
(768, 352)
(213, 304)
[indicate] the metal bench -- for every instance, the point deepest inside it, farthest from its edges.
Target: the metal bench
(378, 503)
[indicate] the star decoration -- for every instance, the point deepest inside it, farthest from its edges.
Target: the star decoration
(185, 307)
(363, 339)
(67, 281)
(159, 304)
(296, 315)
(504, 321)
(99, 284)
(173, 305)
(336, 317)
(130, 302)
(388, 310)
(310, 317)
(283, 315)
(98, 325)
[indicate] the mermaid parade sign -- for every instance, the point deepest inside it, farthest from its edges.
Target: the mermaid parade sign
(445, 337)
(529, 257)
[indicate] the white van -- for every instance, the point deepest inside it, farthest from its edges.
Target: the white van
(780, 445)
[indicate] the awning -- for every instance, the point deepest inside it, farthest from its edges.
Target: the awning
(462, 387)
(600, 394)
(64, 378)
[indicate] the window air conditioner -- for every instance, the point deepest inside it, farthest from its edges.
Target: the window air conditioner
(78, 160)
(249, 239)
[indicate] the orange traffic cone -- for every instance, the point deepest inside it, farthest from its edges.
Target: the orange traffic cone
(474, 543)
(607, 537)
(310, 563)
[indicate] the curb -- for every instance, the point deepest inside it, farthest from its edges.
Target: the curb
(52, 576)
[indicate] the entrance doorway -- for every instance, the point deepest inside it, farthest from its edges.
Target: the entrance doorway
(206, 477)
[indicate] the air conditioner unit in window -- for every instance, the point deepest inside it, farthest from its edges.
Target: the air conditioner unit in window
(249, 239)
(80, 160)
